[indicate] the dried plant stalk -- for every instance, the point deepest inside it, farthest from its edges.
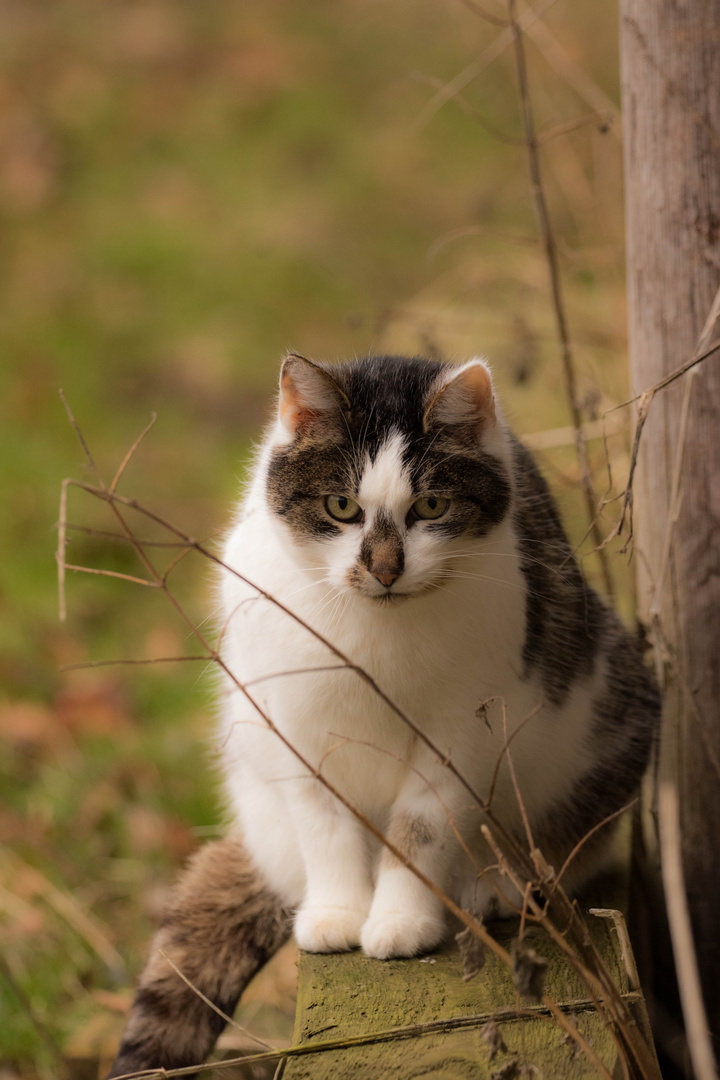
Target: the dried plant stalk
(526, 869)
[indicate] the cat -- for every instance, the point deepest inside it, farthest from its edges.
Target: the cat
(393, 511)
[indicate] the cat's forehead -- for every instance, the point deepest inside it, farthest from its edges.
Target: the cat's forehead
(388, 395)
(385, 478)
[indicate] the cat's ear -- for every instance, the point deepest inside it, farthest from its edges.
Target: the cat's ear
(463, 398)
(308, 395)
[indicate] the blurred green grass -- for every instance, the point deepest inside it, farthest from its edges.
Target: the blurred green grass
(186, 191)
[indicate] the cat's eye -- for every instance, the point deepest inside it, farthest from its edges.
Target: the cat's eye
(430, 507)
(342, 507)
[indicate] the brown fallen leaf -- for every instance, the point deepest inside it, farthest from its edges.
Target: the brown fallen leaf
(472, 952)
(492, 1037)
(93, 707)
(528, 972)
(26, 725)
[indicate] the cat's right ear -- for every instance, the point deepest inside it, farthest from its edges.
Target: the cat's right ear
(463, 400)
(309, 395)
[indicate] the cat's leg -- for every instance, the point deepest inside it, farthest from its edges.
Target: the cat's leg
(223, 923)
(338, 883)
(406, 918)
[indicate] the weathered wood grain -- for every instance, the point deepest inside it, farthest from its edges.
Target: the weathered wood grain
(671, 109)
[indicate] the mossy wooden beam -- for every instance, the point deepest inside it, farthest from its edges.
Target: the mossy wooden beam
(419, 1018)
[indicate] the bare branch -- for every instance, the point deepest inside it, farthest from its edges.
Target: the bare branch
(591, 832)
(575, 76)
(471, 72)
(696, 1023)
(494, 20)
(125, 461)
(213, 1006)
(667, 379)
(81, 438)
(550, 247)
(605, 996)
(121, 662)
(61, 548)
(111, 573)
(107, 535)
(500, 1016)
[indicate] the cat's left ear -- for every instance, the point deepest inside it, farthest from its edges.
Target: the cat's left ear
(309, 395)
(463, 399)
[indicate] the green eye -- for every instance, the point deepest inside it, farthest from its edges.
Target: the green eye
(430, 507)
(342, 508)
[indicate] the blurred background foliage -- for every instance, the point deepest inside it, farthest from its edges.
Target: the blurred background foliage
(186, 190)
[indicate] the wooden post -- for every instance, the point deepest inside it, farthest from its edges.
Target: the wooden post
(671, 115)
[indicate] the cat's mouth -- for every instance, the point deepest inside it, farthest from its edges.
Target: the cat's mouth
(389, 599)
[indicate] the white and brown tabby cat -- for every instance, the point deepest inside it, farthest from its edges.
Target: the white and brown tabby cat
(392, 510)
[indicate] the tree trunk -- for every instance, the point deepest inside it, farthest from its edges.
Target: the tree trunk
(671, 108)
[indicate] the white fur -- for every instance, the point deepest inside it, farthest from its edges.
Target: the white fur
(438, 654)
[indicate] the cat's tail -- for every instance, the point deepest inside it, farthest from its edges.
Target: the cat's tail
(222, 924)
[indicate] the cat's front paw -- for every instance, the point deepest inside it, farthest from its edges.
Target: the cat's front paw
(328, 929)
(401, 934)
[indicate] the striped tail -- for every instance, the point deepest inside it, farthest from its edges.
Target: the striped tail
(222, 925)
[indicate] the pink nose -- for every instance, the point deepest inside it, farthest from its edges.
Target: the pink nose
(386, 579)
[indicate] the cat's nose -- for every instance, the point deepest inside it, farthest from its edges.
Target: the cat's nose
(386, 577)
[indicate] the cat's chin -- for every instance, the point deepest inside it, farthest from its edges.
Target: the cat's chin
(392, 599)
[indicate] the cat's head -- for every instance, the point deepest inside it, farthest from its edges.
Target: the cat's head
(382, 468)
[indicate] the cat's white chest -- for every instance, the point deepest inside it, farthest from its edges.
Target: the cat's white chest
(435, 657)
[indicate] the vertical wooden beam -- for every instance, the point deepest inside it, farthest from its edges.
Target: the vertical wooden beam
(671, 106)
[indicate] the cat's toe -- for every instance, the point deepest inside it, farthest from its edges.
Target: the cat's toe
(401, 934)
(328, 929)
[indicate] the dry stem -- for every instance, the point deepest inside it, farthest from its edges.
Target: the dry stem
(550, 248)
(696, 1024)
(587, 962)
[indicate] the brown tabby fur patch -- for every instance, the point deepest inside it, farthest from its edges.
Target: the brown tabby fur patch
(409, 834)
(222, 925)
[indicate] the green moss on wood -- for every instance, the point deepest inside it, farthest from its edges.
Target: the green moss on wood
(349, 995)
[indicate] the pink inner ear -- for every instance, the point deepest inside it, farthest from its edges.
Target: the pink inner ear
(293, 410)
(477, 381)
(466, 398)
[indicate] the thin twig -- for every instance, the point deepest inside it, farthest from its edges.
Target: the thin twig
(513, 777)
(550, 247)
(494, 20)
(702, 352)
(505, 748)
(61, 549)
(347, 739)
(675, 496)
(696, 1023)
(114, 499)
(470, 110)
(126, 460)
(667, 379)
(587, 962)
(597, 977)
(471, 72)
(106, 534)
(81, 438)
(476, 928)
(590, 833)
(111, 573)
(576, 77)
(410, 1031)
(213, 1006)
(132, 661)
